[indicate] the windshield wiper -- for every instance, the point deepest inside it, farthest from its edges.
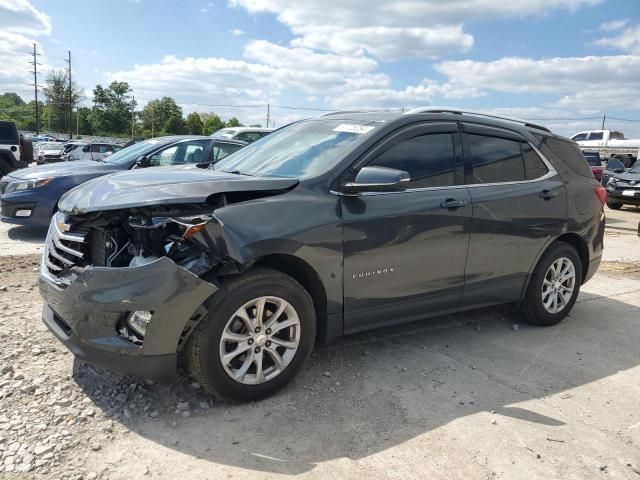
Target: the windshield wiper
(238, 172)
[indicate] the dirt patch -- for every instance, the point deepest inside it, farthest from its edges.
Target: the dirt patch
(632, 269)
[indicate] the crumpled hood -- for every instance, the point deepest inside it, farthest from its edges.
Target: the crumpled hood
(64, 169)
(627, 176)
(162, 186)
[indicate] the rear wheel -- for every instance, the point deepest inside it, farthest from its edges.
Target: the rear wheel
(614, 206)
(259, 331)
(554, 286)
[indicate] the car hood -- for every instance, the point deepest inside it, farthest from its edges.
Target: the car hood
(627, 176)
(162, 186)
(64, 169)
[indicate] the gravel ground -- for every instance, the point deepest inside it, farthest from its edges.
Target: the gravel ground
(472, 396)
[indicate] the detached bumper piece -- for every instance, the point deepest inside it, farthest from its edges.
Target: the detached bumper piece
(85, 311)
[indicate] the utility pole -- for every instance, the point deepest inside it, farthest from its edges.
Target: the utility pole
(268, 112)
(133, 114)
(604, 119)
(35, 85)
(70, 95)
(152, 115)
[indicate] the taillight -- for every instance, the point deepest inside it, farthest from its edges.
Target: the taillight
(601, 193)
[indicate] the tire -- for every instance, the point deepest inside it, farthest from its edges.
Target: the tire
(207, 345)
(4, 168)
(532, 305)
(614, 206)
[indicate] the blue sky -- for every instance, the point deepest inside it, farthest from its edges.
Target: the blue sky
(557, 60)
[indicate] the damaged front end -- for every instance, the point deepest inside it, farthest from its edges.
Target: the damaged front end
(129, 283)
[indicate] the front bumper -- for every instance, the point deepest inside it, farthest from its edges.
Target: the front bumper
(41, 210)
(617, 196)
(84, 314)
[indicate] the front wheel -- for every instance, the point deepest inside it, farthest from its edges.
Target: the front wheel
(554, 286)
(259, 331)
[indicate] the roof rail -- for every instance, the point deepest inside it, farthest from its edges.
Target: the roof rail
(341, 112)
(476, 113)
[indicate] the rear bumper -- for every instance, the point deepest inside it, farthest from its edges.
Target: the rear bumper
(85, 312)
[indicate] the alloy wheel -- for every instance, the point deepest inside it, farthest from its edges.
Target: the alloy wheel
(558, 285)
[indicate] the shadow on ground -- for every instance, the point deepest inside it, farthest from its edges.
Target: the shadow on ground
(27, 234)
(373, 391)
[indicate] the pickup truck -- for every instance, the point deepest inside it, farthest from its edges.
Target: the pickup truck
(609, 143)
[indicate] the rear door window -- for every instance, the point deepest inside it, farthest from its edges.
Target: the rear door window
(534, 167)
(495, 160)
(595, 136)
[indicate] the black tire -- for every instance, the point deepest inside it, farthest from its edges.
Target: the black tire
(202, 352)
(614, 206)
(4, 168)
(531, 306)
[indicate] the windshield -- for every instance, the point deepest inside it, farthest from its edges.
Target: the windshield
(131, 153)
(301, 150)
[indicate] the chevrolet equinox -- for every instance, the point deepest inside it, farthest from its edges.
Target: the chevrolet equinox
(326, 227)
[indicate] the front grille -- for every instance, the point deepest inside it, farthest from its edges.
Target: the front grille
(65, 248)
(3, 187)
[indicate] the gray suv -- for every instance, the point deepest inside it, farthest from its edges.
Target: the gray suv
(326, 227)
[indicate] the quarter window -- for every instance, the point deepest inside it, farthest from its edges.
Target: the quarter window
(428, 159)
(534, 167)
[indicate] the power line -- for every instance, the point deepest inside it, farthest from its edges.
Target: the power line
(70, 102)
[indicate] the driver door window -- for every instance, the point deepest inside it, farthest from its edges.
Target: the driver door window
(428, 159)
(163, 158)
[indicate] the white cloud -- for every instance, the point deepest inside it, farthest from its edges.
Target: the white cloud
(20, 23)
(19, 16)
(627, 41)
(204, 10)
(236, 32)
(395, 30)
(386, 43)
(613, 25)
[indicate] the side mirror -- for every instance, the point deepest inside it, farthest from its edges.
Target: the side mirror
(142, 162)
(377, 179)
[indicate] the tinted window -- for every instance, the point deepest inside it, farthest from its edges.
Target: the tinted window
(8, 133)
(593, 159)
(534, 167)
(579, 137)
(567, 152)
(616, 135)
(495, 159)
(185, 152)
(595, 136)
(429, 160)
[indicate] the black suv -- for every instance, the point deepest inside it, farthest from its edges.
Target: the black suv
(326, 227)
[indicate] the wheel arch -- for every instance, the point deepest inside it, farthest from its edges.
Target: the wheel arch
(580, 245)
(306, 276)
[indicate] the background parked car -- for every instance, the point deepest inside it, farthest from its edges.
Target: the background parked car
(623, 185)
(244, 134)
(91, 151)
(595, 162)
(30, 196)
(49, 152)
(11, 148)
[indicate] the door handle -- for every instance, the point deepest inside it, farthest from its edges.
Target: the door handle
(452, 204)
(547, 194)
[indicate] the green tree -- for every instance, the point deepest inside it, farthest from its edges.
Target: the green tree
(175, 125)
(194, 124)
(85, 124)
(156, 115)
(56, 92)
(112, 108)
(212, 123)
(14, 108)
(233, 122)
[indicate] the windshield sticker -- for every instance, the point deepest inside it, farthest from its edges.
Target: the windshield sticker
(351, 128)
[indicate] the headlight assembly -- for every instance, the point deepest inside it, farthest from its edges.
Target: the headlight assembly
(26, 185)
